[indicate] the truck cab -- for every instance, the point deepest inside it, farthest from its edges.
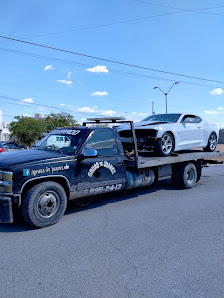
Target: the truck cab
(83, 161)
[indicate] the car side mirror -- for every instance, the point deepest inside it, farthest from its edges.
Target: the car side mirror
(89, 152)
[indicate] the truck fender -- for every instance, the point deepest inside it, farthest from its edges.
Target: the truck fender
(62, 180)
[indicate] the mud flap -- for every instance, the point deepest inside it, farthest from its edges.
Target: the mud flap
(6, 215)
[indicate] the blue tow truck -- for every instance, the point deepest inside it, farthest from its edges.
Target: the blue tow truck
(75, 163)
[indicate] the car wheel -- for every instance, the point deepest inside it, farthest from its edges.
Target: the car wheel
(165, 145)
(44, 204)
(212, 143)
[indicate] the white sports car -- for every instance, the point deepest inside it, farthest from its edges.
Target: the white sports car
(166, 133)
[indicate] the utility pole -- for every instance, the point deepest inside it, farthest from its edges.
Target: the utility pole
(153, 111)
(166, 92)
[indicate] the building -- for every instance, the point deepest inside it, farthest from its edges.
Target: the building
(4, 130)
(38, 116)
(221, 136)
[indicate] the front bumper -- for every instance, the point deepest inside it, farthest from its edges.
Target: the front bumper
(6, 215)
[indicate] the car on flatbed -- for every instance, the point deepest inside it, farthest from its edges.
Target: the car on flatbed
(167, 133)
(80, 162)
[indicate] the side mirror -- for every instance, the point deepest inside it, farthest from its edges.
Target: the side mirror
(90, 153)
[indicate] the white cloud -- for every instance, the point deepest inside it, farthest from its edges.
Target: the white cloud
(217, 91)
(61, 105)
(99, 93)
(27, 100)
(48, 67)
(86, 110)
(220, 108)
(139, 114)
(107, 113)
(90, 110)
(42, 108)
(25, 115)
(211, 112)
(65, 82)
(69, 75)
(98, 69)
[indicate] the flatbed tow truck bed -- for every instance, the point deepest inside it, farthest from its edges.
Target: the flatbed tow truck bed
(152, 161)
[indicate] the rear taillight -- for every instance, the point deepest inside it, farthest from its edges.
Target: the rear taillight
(2, 150)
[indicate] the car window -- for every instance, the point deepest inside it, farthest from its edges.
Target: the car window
(163, 117)
(198, 119)
(11, 146)
(104, 142)
(190, 119)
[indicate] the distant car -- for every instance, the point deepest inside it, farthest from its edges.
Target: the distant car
(166, 133)
(10, 146)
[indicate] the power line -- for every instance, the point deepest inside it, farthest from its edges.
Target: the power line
(44, 106)
(108, 60)
(88, 65)
(103, 25)
(197, 10)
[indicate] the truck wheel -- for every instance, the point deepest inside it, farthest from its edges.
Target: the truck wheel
(212, 143)
(44, 204)
(165, 145)
(187, 175)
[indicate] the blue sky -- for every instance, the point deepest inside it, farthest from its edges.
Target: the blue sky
(161, 35)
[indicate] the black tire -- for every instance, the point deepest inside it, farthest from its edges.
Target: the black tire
(212, 143)
(164, 145)
(44, 204)
(187, 175)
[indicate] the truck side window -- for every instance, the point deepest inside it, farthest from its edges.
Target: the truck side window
(104, 142)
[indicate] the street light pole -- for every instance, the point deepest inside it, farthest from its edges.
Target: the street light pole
(153, 111)
(166, 92)
(166, 101)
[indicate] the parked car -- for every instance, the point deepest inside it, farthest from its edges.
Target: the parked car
(10, 146)
(166, 133)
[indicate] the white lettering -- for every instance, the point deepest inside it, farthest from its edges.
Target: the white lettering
(104, 164)
(51, 169)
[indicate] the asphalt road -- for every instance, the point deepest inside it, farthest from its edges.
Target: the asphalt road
(155, 242)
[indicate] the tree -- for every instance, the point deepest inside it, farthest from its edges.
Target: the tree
(27, 129)
(59, 120)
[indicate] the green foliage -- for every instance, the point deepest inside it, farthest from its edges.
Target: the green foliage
(28, 129)
(59, 120)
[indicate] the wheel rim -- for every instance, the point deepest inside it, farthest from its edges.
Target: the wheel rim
(190, 176)
(47, 204)
(212, 141)
(167, 144)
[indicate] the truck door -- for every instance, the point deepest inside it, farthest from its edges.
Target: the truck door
(104, 172)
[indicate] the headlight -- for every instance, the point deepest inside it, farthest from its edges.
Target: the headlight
(5, 182)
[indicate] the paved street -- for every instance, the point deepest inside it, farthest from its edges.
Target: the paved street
(155, 242)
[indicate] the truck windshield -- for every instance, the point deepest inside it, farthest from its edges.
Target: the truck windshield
(66, 141)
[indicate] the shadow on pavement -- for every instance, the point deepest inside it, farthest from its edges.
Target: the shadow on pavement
(19, 225)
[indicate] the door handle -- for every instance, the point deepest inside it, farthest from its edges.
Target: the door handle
(120, 163)
(199, 126)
